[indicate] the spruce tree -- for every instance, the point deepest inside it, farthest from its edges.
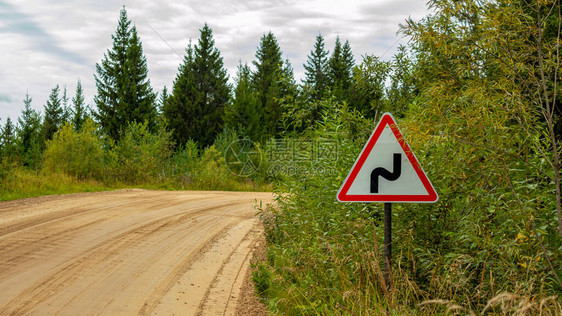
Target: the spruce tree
(243, 114)
(141, 98)
(179, 112)
(316, 69)
(164, 96)
(341, 70)
(201, 91)
(124, 94)
(8, 142)
(213, 88)
(66, 110)
(53, 114)
(29, 134)
(79, 112)
(349, 61)
(272, 81)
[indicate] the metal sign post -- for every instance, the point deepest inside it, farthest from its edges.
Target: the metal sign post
(387, 243)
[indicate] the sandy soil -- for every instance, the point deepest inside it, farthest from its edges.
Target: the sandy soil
(130, 252)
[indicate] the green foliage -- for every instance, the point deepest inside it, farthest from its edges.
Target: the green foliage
(78, 113)
(477, 123)
(402, 89)
(477, 96)
(53, 114)
(20, 182)
(262, 280)
(8, 142)
(139, 156)
(340, 70)
(213, 90)
(77, 154)
(179, 112)
(210, 171)
(303, 115)
(302, 112)
(369, 86)
(183, 160)
(244, 114)
(200, 94)
(316, 69)
(5, 170)
(66, 110)
(124, 94)
(30, 140)
(164, 98)
(273, 80)
(320, 250)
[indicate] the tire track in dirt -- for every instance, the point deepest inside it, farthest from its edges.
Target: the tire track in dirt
(124, 259)
(100, 254)
(209, 304)
(17, 252)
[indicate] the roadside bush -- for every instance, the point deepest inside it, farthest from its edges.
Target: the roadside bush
(5, 170)
(210, 173)
(74, 153)
(139, 156)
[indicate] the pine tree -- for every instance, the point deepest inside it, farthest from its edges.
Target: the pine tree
(29, 134)
(195, 109)
(272, 81)
(66, 110)
(79, 112)
(243, 114)
(179, 112)
(124, 92)
(164, 96)
(141, 98)
(213, 89)
(341, 69)
(316, 69)
(53, 114)
(349, 61)
(8, 142)
(288, 85)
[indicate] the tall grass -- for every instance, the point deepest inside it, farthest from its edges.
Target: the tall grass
(19, 182)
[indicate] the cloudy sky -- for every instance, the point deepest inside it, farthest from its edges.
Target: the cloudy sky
(45, 42)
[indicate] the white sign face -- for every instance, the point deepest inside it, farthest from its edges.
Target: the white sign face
(387, 170)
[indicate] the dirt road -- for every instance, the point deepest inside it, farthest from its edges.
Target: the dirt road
(131, 252)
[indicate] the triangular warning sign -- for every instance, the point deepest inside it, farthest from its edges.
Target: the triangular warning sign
(387, 170)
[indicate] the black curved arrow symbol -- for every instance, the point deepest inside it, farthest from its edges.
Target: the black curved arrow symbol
(390, 176)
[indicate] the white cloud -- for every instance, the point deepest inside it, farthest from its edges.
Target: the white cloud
(46, 42)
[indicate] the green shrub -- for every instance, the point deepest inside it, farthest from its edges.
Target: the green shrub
(139, 156)
(262, 280)
(210, 172)
(5, 170)
(74, 153)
